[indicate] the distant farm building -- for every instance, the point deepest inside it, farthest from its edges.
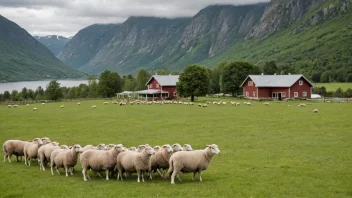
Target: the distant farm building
(276, 87)
(160, 87)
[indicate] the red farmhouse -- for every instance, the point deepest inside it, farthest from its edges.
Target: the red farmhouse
(276, 86)
(161, 86)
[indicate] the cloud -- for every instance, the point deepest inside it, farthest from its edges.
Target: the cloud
(67, 17)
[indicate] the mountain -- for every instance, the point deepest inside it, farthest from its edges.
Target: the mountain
(154, 43)
(86, 44)
(22, 57)
(53, 42)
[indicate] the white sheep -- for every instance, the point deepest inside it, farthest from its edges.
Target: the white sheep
(94, 106)
(13, 147)
(15, 106)
(91, 147)
(99, 160)
(160, 160)
(65, 158)
(315, 111)
(35, 109)
(27, 105)
(205, 105)
(132, 162)
(44, 153)
(187, 147)
(43, 103)
(105, 103)
(266, 103)
(302, 105)
(192, 161)
(156, 148)
(132, 148)
(62, 106)
(199, 105)
(78, 103)
(30, 150)
(9, 106)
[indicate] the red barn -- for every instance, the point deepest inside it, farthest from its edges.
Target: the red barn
(276, 87)
(161, 86)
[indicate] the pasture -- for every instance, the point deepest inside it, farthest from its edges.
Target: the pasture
(334, 86)
(276, 151)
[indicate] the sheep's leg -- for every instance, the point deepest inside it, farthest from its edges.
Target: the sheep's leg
(43, 166)
(66, 171)
(29, 161)
(98, 174)
(52, 172)
(194, 174)
(142, 176)
(161, 175)
(70, 169)
(178, 177)
(57, 170)
(173, 177)
(200, 175)
(107, 174)
(138, 173)
(84, 173)
(25, 159)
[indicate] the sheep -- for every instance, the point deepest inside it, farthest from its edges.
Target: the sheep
(110, 146)
(315, 111)
(156, 148)
(224, 103)
(63, 147)
(160, 160)
(215, 103)
(132, 149)
(205, 105)
(105, 103)
(237, 104)
(13, 147)
(43, 103)
(30, 150)
(27, 105)
(99, 147)
(140, 148)
(9, 106)
(15, 106)
(199, 105)
(233, 103)
(132, 162)
(302, 105)
(187, 147)
(266, 104)
(62, 106)
(192, 161)
(98, 160)
(65, 158)
(44, 153)
(35, 109)
(78, 103)
(176, 147)
(94, 106)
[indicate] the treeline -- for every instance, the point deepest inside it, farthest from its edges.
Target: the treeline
(340, 93)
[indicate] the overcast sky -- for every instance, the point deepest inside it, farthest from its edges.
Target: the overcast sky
(67, 17)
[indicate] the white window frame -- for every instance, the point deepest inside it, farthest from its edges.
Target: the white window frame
(304, 94)
(283, 95)
(300, 82)
(157, 86)
(250, 83)
(175, 93)
(295, 94)
(151, 86)
(254, 94)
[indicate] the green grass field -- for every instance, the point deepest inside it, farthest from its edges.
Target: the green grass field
(334, 86)
(276, 151)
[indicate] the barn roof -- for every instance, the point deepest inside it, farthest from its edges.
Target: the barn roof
(165, 80)
(275, 80)
(151, 91)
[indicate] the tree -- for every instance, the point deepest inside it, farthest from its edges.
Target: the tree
(1, 97)
(339, 92)
(109, 84)
(142, 77)
(316, 76)
(349, 78)
(31, 94)
(193, 81)
(7, 95)
(348, 93)
(130, 83)
(24, 93)
(93, 87)
(83, 91)
(234, 74)
(216, 78)
(325, 77)
(14, 95)
(270, 68)
(53, 91)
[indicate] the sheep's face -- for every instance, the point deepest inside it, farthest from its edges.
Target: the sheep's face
(46, 140)
(110, 146)
(102, 147)
(187, 147)
(141, 147)
(38, 141)
(149, 150)
(132, 148)
(119, 148)
(77, 148)
(177, 147)
(214, 149)
(147, 145)
(156, 148)
(168, 148)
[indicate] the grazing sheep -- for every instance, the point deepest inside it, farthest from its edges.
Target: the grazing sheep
(205, 105)
(187, 147)
(199, 105)
(65, 158)
(266, 104)
(132, 162)
(99, 160)
(237, 104)
(192, 161)
(78, 103)
(30, 150)
(105, 103)
(43, 103)
(215, 103)
(27, 105)
(94, 106)
(15, 106)
(62, 106)
(13, 147)
(302, 105)
(9, 106)
(44, 153)
(233, 103)
(315, 111)
(35, 109)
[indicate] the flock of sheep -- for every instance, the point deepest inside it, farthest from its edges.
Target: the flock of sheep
(114, 158)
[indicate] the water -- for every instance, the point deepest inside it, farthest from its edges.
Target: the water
(35, 84)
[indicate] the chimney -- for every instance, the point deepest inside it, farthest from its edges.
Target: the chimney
(275, 74)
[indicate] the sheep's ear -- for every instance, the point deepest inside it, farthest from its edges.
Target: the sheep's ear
(208, 146)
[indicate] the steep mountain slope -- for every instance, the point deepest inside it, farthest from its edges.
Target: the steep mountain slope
(86, 44)
(53, 42)
(22, 57)
(154, 43)
(316, 41)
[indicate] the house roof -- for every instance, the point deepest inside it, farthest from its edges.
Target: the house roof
(275, 80)
(165, 80)
(151, 91)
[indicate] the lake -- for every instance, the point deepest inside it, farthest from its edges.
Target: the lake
(35, 84)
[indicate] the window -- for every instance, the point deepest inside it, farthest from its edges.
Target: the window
(247, 93)
(283, 95)
(274, 95)
(300, 82)
(175, 93)
(157, 85)
(304, 94)
(151, 86)
(254, 94)
(296, 94)
(250, 83)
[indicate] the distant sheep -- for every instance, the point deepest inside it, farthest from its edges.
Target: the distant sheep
(27, 105)
(105, 103)
(315, 111)
(62, 106)
(94, 106)
(205, 105)
(266, 104)
(43, 103)
(9, 106)
(302, 105)
(78, 103)
(35, 109)
(15, 106)
(192, 161)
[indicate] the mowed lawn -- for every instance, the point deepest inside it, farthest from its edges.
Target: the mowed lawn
(334, 86)
(276, 151)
